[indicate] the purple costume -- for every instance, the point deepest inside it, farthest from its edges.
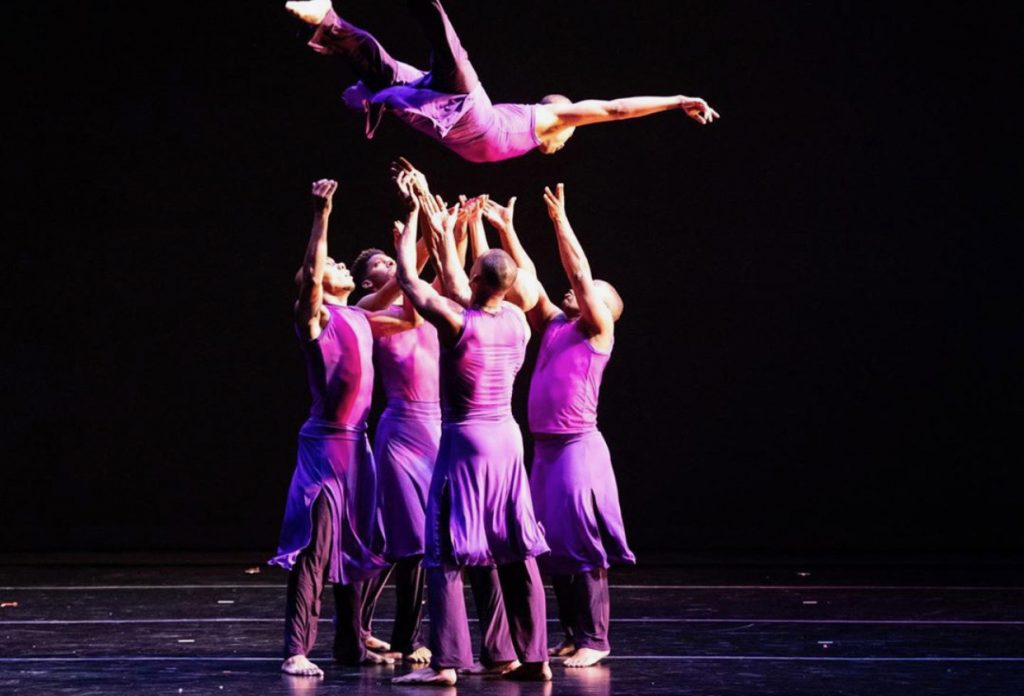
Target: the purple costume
(574, 489)
(408, 434)
(447, 104)
(330, 514)
(404, 449)
(479, 512)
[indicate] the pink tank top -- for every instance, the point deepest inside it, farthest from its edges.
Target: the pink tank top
(566, 380)
(468, 124)
(340, 368)
(478, 372)
(408, 363)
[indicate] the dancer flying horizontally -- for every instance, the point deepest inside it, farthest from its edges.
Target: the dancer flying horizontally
(331, 510)
(479, 512)
(573, 485)
(449, 103)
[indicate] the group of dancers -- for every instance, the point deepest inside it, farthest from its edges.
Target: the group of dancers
(444, 492)
(443, 496)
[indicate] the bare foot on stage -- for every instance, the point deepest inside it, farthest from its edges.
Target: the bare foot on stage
(373, 658)
(300, 666)
(586, 657)
(531, 671)
(309, 11)
(374, 643)
(428, 676)
(418, 656)
(497, 669)
(563, 649)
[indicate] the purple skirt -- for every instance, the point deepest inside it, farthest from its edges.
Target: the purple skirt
(337, 463)
(577, 502)
(490, 520)
(405, 449)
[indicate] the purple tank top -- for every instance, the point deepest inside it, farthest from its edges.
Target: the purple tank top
(340, 368)
(468, 124)
(478, 372)
(566, 380)
(408, 363)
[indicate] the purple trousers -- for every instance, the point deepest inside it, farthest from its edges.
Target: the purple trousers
(583, 608)
(306, 581)
(405, 633)
(450, 69)
(522, 598)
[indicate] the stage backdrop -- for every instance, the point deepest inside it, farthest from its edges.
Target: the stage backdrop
(820, 348)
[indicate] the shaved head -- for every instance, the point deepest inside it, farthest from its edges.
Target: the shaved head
(496, 271)
(611, 298)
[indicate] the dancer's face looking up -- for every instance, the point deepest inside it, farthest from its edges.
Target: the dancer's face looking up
(609, 295)
(337, 278)
(379, 270)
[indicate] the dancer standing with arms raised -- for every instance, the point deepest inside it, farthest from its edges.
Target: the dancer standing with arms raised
(479, 511)
(449, 103)
(574, 490)
(331, 509)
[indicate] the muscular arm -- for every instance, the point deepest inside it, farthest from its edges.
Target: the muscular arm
(594, 313)
(554, 117)
(529, 293)
(308, 309)
(423, 298)
(441, 225)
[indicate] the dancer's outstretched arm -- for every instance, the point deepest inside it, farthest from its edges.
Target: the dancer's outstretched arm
(594, 313)
(441, 225)
(437, 310)
(309, 314)
(530, 293)
(556, 116)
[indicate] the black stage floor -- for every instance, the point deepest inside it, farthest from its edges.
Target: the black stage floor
(713, 630)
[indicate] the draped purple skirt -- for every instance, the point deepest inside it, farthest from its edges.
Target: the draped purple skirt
(577, 502)
(480, 512)
(338, 463)
(405, 449)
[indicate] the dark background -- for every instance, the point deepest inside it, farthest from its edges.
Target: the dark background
(821, 344)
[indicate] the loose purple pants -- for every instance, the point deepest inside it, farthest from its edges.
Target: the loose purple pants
(584, 608)
(405, 634)
(450, 69)
(305, 587)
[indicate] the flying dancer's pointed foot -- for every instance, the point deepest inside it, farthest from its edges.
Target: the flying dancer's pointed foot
(309, 11)
(300, 666)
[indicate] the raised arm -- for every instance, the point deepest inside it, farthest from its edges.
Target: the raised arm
(441, 225)
(386, 322)
(529, 293)
(308, 309)
(426, 301)
(558, 115)
(478, 245)
(594, 313)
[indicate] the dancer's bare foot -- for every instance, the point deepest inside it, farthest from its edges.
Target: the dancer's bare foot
(428, 675)
(530, 671)
(496, 669)
(374, 643)
(373, 658)
(300, 666)
(418, 656)
(309, 11)
(563, 649)
(586, 657)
